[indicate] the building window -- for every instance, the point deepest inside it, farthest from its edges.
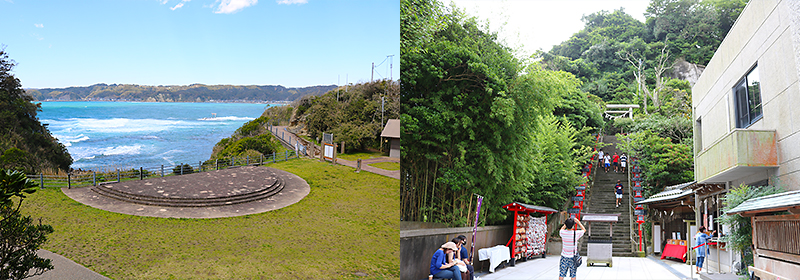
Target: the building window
(747, 94)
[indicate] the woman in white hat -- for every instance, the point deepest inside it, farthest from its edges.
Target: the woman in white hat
(440, 267)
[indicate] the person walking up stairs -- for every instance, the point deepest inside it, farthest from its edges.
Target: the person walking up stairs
(601, 199)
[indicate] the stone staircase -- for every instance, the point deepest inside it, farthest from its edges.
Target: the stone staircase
(262, 192)
(601, 200)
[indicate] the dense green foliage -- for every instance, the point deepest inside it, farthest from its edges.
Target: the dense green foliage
(20, 237)
(623, 60)
(251, 139)
(352, 115)
(279, 115)
(190, 93)
(25, 144)
(474, 123)
(740, 238)
(182, 169)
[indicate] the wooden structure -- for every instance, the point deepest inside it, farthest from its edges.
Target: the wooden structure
(669, 210)
(528, 239)
(392, 132)
(776, 234)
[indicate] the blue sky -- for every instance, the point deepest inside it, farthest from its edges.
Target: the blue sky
(293, 43)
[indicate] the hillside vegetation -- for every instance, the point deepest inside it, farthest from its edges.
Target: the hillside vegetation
(25, 144)
(352, 114)
(476, 120)
(190, 93)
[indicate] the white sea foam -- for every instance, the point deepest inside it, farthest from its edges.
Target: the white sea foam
(228, 118)
(91, 153)
(67, 140)
(114, 125)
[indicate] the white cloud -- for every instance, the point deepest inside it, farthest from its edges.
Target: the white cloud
(39, 25)
(232, 6)
(289, 2)
(179, 4)
(37, 36)
(164, 2)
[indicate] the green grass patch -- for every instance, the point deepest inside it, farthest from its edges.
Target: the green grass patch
(360, 155)
(347, 224)
(386, 165)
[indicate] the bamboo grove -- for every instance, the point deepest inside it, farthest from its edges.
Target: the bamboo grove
(477, 120)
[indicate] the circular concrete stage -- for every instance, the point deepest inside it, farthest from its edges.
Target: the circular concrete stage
(215, 194)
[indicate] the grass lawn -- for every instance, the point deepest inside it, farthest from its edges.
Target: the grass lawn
(347, 224)
(386, 165)
(360, 155)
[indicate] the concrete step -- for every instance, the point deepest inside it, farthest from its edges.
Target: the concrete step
(266, 192)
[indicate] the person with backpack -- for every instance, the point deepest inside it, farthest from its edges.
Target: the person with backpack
(570, 234)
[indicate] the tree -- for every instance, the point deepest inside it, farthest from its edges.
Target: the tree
(740, 238)
(21, 129)
(20, 236)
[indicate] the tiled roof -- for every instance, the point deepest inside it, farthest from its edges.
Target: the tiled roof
(670, 193)
(765, 203)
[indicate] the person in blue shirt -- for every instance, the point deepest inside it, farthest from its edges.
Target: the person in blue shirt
(464, 255)
(702, 238)
(440, 267)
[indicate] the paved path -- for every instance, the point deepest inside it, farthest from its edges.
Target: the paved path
(623, 268)
(281, 132)
(64, 268)
(366, 162)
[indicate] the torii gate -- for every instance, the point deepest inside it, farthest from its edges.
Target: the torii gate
(620, 113)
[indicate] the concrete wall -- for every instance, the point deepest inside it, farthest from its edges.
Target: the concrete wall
(417, 246)
(765, 34)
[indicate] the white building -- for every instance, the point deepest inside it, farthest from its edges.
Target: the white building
(746, 108)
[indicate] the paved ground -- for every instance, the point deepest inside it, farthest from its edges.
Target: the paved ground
(623, 268)
(366, 162)
(64, 268)
(280, 132)
(295, 189)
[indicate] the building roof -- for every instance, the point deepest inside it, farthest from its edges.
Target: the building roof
(670, 193)
(522, 207)
(771, 203)
(392, 129)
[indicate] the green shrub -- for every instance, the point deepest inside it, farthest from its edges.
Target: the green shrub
(252, 127)
(264, 144)
(187, 169)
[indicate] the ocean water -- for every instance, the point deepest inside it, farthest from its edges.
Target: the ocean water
(143, 134)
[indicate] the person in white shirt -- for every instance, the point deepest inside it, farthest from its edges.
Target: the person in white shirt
(569, 238)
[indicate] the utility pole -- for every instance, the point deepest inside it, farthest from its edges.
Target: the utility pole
(372, 73)
(390, 66)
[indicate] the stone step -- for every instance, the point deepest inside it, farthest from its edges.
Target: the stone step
(271, 190)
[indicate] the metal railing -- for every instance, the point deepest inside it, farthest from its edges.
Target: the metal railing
(94, 178)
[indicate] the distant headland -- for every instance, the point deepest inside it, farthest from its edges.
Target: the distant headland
(190, 93)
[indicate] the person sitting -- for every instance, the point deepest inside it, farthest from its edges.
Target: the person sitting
(465, 256)
(440, 267)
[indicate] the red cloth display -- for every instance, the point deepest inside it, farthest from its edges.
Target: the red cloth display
(674, 251)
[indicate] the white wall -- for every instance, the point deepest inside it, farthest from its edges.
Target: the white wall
(765, 34)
